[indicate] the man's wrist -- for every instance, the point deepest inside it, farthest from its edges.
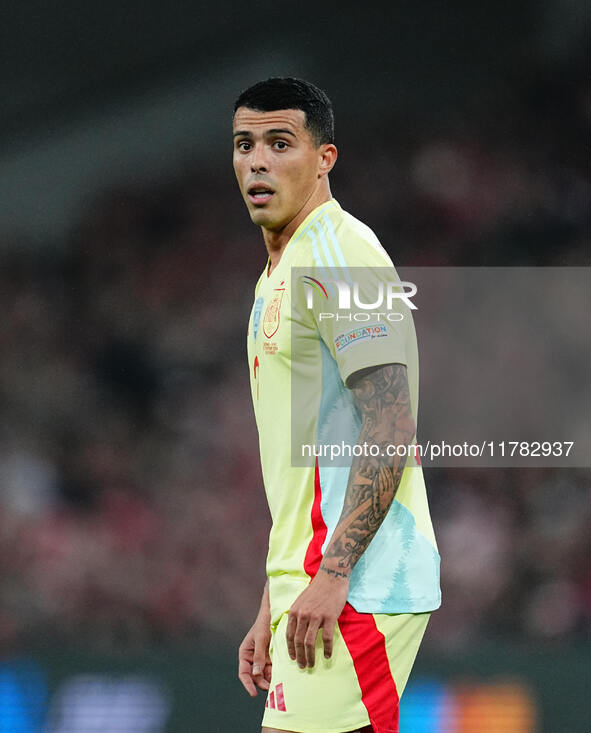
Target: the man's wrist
(333, 570)
(264, 613)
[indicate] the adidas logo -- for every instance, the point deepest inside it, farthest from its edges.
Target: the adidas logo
(275, 699)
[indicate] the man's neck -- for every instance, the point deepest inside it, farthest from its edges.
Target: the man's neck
(277, 241)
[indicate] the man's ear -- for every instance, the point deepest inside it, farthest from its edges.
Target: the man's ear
(328, 157)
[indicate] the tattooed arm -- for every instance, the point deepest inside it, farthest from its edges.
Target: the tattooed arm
(382, 396)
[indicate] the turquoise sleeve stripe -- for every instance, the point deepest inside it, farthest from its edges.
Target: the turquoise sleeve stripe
(335, 242)
(340, 271)
(325, 247)
(319, 262)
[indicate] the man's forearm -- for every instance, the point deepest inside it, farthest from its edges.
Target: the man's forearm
(382, 396)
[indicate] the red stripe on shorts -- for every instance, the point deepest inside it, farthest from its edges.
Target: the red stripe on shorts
(367, 647)
(280, 697)
(314, 551)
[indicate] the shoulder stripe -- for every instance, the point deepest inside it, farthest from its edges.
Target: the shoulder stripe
(318, 261)
(337, 248)
(335, 242)
(308, 227)
(325, 247)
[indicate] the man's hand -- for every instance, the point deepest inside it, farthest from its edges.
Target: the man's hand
(254, 661)
(319, 606)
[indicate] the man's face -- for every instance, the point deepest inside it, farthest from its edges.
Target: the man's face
(277, 164)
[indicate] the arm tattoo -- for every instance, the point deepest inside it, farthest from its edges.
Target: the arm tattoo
(382, 396)
(336, 573)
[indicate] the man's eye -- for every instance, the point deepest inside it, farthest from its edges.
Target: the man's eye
(280, 144)
(243, 146)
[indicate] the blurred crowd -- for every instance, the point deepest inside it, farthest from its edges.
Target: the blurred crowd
(131, 501)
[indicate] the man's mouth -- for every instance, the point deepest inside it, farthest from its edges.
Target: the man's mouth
(260, 194)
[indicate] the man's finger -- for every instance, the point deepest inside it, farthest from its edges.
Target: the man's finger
(310, 641)
(261, 681)
(327, 638)
(245, 651)
(292, 623)
(244, 675)
(258, 663)
(299, 636)
(258, 670)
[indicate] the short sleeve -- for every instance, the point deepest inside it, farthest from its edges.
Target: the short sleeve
(363, 316)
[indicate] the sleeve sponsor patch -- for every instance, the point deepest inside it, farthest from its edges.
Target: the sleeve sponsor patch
(359, 334)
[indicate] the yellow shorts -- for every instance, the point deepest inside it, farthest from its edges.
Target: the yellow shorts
(359, 685)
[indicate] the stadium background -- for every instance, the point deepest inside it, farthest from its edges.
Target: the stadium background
(132, 519)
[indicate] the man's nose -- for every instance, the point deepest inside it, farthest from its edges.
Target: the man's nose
(258, 161)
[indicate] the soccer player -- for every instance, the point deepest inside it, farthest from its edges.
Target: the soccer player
(352, 566)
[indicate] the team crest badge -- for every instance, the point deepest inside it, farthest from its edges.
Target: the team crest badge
(272, 314)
